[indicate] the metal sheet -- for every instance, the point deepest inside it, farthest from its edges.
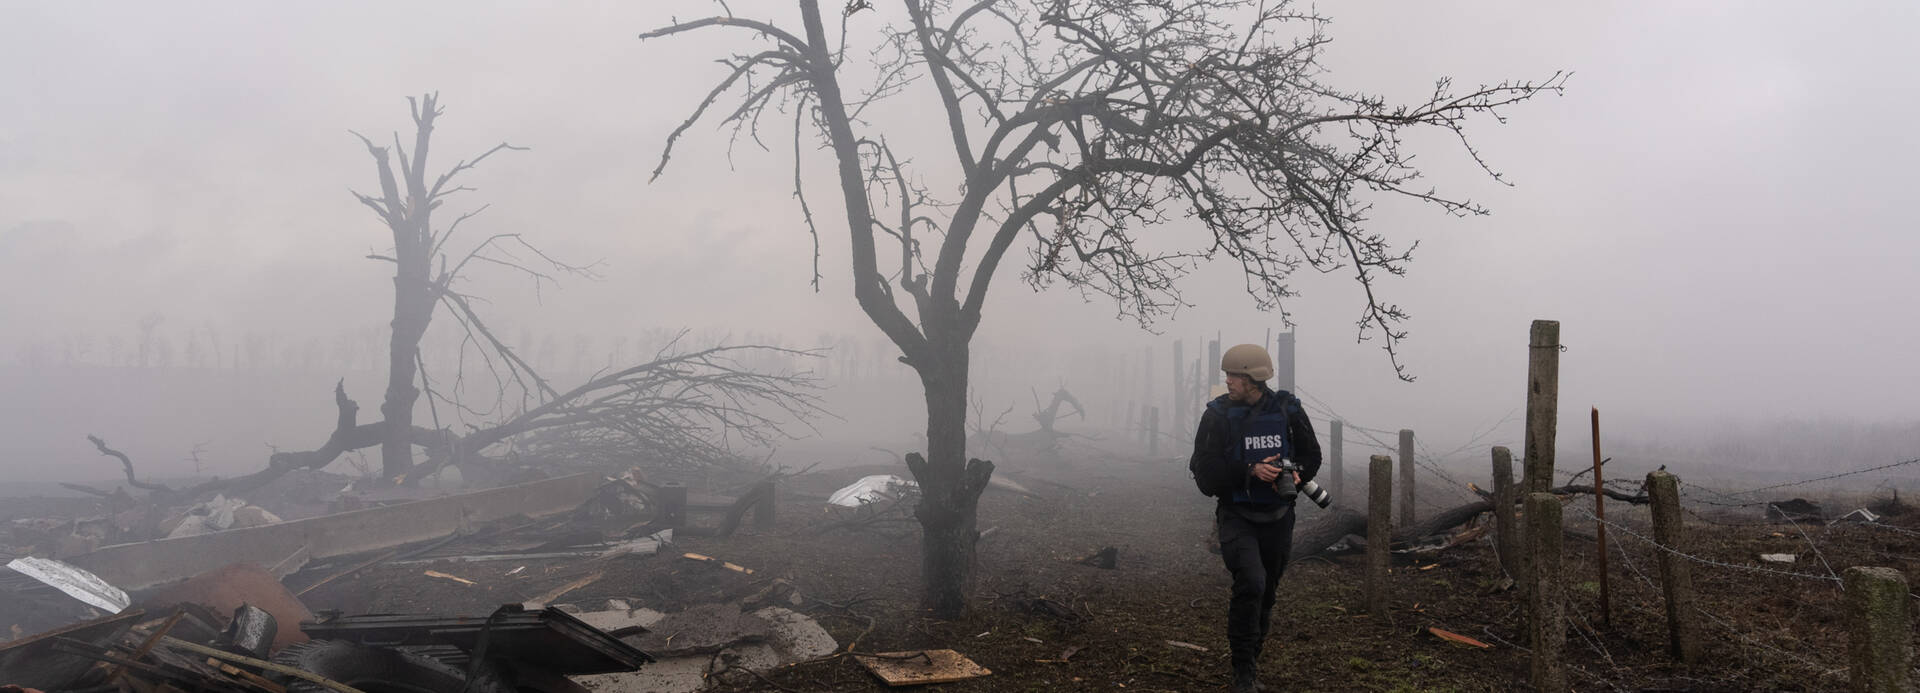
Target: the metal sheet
(73, 582)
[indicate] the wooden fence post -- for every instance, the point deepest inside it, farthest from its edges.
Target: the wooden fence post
(1179, 394)
(1546, 621)
(1379, 533)
(1337, 482)
(1543, 404)
(1407, 518)
(1506, 540)
(1879, 630)
(1676, 576)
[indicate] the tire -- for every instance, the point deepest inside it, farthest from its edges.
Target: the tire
(377, 670)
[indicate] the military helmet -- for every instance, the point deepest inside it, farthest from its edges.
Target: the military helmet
(1250, 360)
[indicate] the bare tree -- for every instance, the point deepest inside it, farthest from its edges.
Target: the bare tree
(1079, 127)
(423, 276)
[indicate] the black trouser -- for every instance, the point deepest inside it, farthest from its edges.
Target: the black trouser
(1256, 553)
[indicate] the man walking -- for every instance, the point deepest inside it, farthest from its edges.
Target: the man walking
(1246, 439)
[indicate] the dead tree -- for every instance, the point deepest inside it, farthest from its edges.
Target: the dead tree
(1075, 128)
(423, 277)
(689, 405)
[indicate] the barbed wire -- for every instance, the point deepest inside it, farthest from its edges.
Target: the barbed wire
(1326, 411)
(1626, 558)
(1915, 460)
(1700, 559)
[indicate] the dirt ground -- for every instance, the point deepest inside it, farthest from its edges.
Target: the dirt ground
(1042, 621)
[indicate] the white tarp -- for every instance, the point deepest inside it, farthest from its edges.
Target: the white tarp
(870, 489)
(74, 582)
(1777, 557)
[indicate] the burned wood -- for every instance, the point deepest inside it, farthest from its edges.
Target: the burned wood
(126, 463)
(1570, 489)
(1335, 526)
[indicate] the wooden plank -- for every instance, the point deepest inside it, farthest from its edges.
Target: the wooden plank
(914, 668)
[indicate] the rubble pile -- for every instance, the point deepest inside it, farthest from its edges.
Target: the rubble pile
(238, 626)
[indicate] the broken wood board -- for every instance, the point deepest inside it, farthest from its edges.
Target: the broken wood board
(444, 576)
(1456, 637)
(914, 668)
(557, 592)
(723, 564)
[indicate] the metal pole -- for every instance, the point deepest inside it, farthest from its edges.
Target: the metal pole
(1600, 523)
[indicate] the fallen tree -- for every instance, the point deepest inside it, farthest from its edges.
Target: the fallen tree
(1335, 526)
(689, 406)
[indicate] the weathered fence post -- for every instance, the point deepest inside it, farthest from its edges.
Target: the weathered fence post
(1506, 541)
(1379, 533)
(673, 506)
(1337, 482)
(1213, 363)
(1178, 396)
(1546, 620)
(1153, 431)
(1879, 630)
(1676, 577)
(1406, 478)
(1543, 404)
(1146, 398)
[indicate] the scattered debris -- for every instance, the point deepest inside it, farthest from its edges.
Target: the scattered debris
(31, 662)
(549, 638)
(223, 591)
(723, 564)
(1778, 557)
(73, 582)
(444, 576)
(252, 630)
(1186, 646)
(1106, 558)
(921, 667)
(560, 591)
(871, 489)
(1456, 637)
(1858, 515)
(703, 629)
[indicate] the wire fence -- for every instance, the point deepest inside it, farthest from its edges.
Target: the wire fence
(1770, 616)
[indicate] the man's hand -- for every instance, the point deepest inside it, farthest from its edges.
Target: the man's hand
(1266, 472)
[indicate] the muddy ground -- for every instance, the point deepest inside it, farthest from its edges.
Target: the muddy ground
(1042, 621)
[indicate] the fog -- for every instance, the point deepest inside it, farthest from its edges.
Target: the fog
(1716, 210)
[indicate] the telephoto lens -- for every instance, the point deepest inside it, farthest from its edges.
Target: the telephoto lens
(1318, 495)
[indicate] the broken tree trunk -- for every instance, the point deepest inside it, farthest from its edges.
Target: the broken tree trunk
(1333, 526)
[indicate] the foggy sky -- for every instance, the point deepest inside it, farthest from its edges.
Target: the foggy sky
(1717, 209)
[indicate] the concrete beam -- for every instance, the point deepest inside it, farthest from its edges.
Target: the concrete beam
(148, 564)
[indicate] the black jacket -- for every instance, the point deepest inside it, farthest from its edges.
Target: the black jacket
(1219, 475)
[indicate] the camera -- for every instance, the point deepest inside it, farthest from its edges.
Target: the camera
(1308, 488)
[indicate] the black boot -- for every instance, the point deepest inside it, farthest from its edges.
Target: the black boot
(1245, 680)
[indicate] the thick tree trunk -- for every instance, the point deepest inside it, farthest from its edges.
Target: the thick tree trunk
(950, 486)
(412, 310)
